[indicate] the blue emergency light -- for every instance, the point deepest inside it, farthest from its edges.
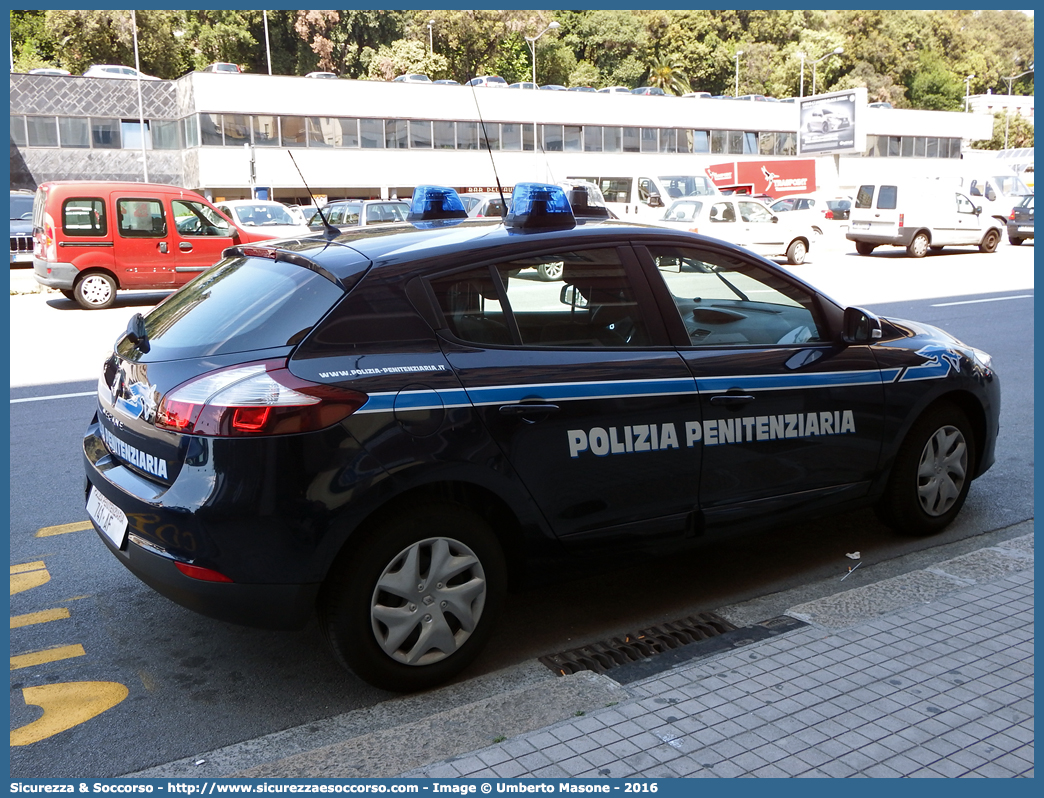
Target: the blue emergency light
(435, 203)
(539, 206)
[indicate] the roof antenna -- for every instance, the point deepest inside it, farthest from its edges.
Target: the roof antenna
(331, 231)
(500, 189)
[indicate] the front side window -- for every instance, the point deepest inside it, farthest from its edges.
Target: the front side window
(141, 218)
(724, 300)
(197, 219)
(575, 299)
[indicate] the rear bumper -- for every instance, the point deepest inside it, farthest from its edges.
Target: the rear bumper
(55, 275)
(1017, 230)
(898, 238)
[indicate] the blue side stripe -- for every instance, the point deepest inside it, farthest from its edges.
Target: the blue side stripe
(616, 389)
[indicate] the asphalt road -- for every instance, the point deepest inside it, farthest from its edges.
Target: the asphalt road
(169, 683)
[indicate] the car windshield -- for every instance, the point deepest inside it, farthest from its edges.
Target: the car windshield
(683, 211)
(21, 206)
(263, 214)
(686, 185)
(1010, 185)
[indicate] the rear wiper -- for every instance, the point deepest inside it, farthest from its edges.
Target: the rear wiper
(137, 334)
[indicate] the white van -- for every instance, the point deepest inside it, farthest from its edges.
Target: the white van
(997, 193)
(646, 197)
(920, 215)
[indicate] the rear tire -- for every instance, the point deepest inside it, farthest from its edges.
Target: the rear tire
(414, 600)
(990, 241)
(68, 294)
(796, 252)
(931, 473)
(865, 248)
(1015, 241)
(95, 291)
(918, 248)
(549, 272)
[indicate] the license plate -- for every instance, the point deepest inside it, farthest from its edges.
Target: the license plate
(860, 225)
(1021, 228)
(110, 518)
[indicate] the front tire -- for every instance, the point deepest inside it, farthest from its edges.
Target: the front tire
(413, 602)
(990, 241)
(549, 272)
(796, 252)
(931, 474)
(918, 248)
(95, 291)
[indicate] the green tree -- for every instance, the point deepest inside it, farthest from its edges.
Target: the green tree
(667, 74)
(405, 56)
(933, 87)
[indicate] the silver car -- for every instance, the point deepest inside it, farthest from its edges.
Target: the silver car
(743, 221)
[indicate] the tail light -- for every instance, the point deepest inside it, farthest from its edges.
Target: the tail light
(1012, 217)
(256, 399)
(44, 243)
(901, 219)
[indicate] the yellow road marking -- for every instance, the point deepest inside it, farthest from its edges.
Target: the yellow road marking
(66, 705)
(27, 576)
(47, 655)
(18, 621)
(62, 529)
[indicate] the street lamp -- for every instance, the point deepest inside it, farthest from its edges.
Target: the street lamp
(835, 51)
(532, 40)
(801, 90)
(967, 88)
(736, 92)
(430, 48)
(1007, 107)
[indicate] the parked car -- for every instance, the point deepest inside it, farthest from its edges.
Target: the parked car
(482, 204)
(528, 84)
(879, 105)
(614, 90)
(392, 433)
(813, 209)
(52, 71)
(412, 79)
(653, 91)
(920, 215)
(223, 66)
(302, 213)
(753, 97)
(322, 75)
(698, 94)
(115, 71)
(446, 82)
(22, 227)
(274, 217)
(1020, 223)
(360, 213)
(742, 221)
(92, 239)
(493, 81)
(553, 87)
(997, 193)
(582, 88)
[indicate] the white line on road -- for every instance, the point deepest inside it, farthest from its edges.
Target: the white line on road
(55, 396)
(974, 301)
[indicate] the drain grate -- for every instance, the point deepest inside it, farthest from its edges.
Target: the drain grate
(602, 656)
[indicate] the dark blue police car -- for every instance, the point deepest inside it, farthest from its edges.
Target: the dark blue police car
(393, 426)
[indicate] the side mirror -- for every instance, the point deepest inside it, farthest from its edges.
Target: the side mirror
(978, 210)
(571, 297)
(860, 326)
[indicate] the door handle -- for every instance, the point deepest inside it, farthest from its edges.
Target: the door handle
(732, 399)
(528, 409)
(185, 246)
(163, 247)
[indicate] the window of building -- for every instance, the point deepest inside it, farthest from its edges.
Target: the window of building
(164, 135)
(237, 129)
(445, 135)
(490, 135)
(317, 135)
(190, 130)
(552, 137)
(719, 142)
(612, 139)
(420, 134)
(701, 141)
(42, 130)
(467, 136)
(294, 131)
(511, 136)
(572, 138)
(396, 134)
(105, 133)
(210, 130)
(767, 143)
(632, 139)
(737, 140)
(650, 139)
(131, 135)
(265, 130)
(18, 136)
(592, 138)
(74, 133)
(371, 134)
(668, 139)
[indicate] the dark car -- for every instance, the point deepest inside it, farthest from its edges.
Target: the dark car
(1020, 222)
(22, 227)
(390, 429)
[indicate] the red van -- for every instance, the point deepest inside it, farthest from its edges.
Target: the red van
(91, 239)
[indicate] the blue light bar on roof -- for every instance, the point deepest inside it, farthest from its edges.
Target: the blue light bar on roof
(434, 203)
(539, 206)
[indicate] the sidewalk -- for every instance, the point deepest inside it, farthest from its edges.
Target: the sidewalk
(930, 674)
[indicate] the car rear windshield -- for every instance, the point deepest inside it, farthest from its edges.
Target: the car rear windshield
(241, 305)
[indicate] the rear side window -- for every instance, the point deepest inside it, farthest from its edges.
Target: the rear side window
(84, 217)
(240, 305)
(886, 198)
(141, 218)
(865, 197)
